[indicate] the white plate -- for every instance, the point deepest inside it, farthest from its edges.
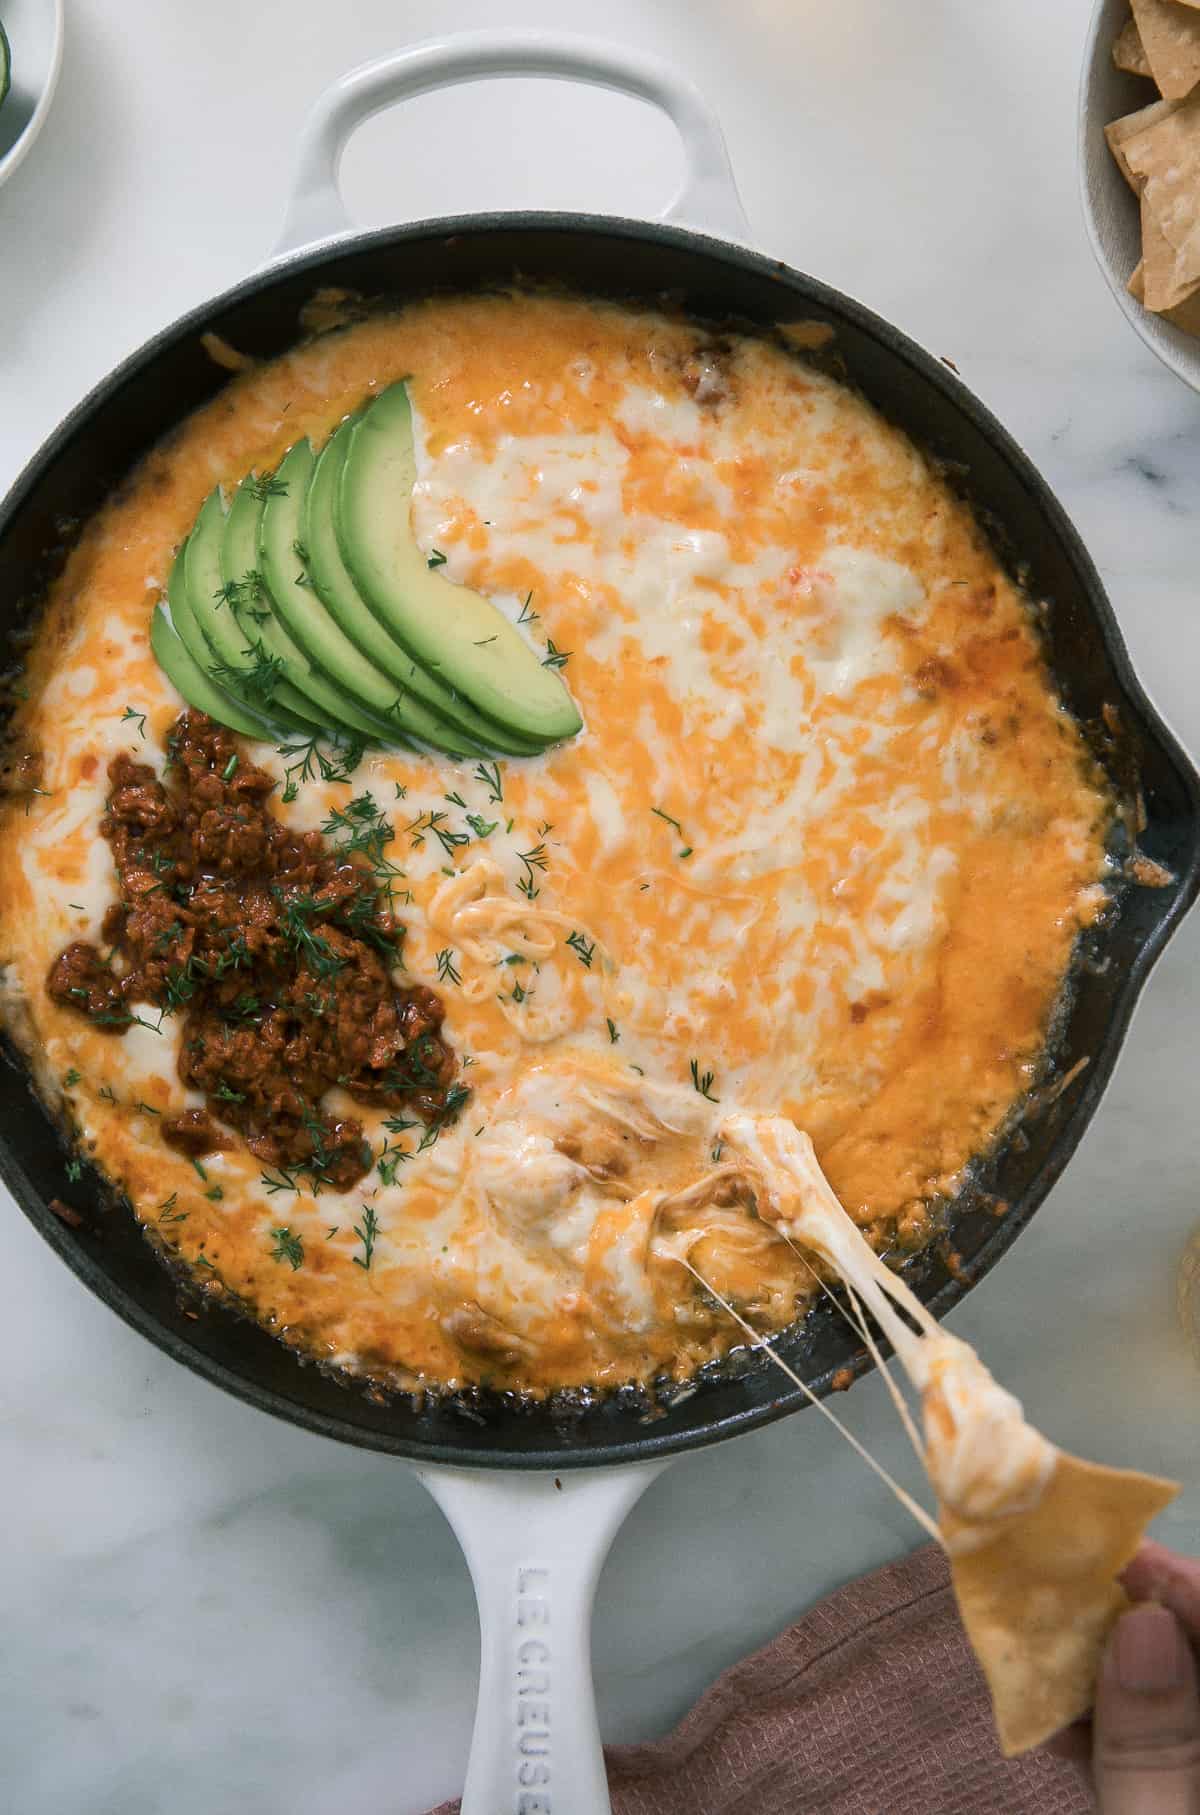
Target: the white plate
(1110, 207)
(35, 35)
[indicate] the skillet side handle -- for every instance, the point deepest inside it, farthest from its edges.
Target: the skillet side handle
(708, 199)
(535, 1551)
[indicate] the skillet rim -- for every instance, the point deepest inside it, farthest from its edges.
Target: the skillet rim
(645, 1444)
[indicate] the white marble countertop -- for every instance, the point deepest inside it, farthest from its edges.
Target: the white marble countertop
(207, 1610)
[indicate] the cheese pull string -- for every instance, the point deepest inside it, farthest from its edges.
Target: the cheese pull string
(797, 1199)
(923, 1519)
(856, 1318)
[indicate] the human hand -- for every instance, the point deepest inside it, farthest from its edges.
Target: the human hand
(1143, 1742)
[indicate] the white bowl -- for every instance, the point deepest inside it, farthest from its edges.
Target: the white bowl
(1110, 208)
(35, 34)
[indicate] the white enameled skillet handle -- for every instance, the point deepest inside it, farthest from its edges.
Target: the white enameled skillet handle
(535, 1544)
(708, 199)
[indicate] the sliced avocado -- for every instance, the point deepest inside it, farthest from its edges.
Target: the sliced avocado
(190, 680)
(283, 564)
(454, 633)
(322, 702)
(335, 588)
(258, 681)
(183, 617)
(200, 653)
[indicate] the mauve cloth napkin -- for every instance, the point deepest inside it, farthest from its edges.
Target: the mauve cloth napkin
(872, 1704)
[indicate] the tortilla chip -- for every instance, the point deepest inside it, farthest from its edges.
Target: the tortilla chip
(1160, 267)
(1186, 315)
(1128, 51)
(1038, 1594)
(1119, 132)
(1170, 37)
(1165, 159)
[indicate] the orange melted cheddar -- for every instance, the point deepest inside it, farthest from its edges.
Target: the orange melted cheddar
(821, 850)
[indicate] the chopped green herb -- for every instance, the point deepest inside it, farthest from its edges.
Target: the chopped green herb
(436, 559)
(456, 800)
(535, 859)
(72, 1078)
(390, 1160)
(659, 814)
(527, 615)
(311, 761)
(278, 1181)
(489, 775)
(435, 823)
(313, 948)
(613, 1031)
(230, 769)
(456, 1097)
(555, 658)
(107, 1094)
(585, 950)
(74, 1170)
(288, 1247)
(702, 1081)
(168, 1213)
(367, 1232)
(446, 968)
(259, 681)
(331, 1231)
(265, 485)
(482, 828)
(149, 1108)
(214, 1194)
(138, 718)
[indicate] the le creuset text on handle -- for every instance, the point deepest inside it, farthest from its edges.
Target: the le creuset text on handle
(535, 1544)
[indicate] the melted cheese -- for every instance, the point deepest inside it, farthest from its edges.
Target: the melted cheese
(827, 836)
(983, 1459)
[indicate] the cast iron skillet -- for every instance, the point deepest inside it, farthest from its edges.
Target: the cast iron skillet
(535, 1541)
(152, 391)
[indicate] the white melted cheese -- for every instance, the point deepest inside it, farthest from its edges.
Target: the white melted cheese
(984, 1460)
(668, 581)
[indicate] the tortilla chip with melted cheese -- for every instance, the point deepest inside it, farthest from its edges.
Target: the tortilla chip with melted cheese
(1035, 1537)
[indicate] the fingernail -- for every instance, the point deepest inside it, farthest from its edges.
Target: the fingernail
(1148, 1653)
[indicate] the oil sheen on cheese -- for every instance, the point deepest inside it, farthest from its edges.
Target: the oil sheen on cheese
(821, 850)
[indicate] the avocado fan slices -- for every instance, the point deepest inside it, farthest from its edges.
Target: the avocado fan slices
(309, 604)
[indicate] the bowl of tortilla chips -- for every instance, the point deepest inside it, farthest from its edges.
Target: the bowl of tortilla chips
(1139, 155)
